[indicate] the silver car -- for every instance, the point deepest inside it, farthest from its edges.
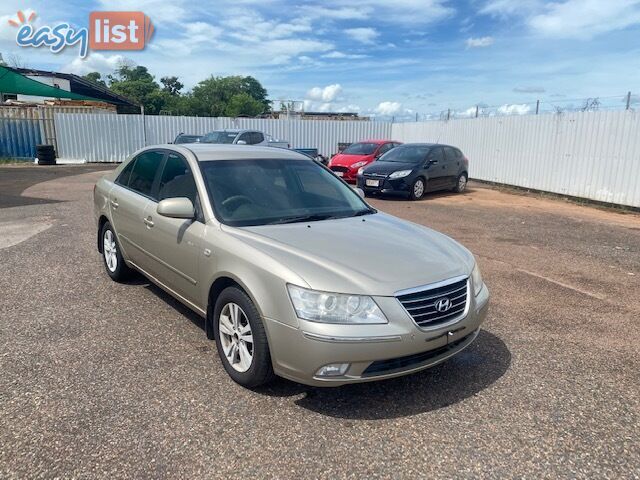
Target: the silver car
(295, 274)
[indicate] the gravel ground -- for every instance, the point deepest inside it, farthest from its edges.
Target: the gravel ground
(119, 381)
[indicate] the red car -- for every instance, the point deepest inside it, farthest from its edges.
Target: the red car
(357, 155)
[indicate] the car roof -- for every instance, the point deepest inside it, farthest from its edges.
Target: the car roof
(427, 145)
(377, 141)
(211, 151)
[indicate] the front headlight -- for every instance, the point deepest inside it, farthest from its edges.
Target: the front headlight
(400, 174)
(360, 170)
(358, 164)
(476, 279)
(328, 307)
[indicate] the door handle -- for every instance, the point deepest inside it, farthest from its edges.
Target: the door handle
(148, 221)
(115, 204)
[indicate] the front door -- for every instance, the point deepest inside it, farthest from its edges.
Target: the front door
(128, 200)
(174, 245)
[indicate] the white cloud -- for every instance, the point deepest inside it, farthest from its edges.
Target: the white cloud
(388, 108)
(365, 35)
(340, 55)
(514, 109)
(585, 18)
(340, 13)
(159, 11)
(529, 90)
(479, 42)
(568, 18)
(95, 62)
(326, 94)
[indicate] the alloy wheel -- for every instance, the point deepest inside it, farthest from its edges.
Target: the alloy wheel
(462, 183)
(418, 189)
(109, 249)
(234, 331)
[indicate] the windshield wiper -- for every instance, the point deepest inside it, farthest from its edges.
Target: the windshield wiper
(369, 211)
(303, 218)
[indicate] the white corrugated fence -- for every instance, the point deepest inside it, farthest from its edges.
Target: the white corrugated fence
(594, 155)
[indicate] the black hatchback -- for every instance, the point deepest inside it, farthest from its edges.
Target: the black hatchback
(415, 168)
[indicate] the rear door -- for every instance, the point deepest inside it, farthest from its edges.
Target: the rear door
(436, 169)
(454, 163)
(174, 244)
(129, 199)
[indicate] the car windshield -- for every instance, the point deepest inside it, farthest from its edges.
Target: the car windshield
(219, 137)
(360, 149)
(277, 191)
(407, 154)
(187, 139)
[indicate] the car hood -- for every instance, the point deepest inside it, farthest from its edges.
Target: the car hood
(343, 160)
(376, 254)
(388, 167)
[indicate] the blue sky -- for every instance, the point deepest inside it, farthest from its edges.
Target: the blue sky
(377, 57)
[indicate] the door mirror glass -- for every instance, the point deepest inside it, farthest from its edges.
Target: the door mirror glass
(178, 207)
(241, 142)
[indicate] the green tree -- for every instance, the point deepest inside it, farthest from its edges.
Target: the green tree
(243, 104)
(137, 84)
(95, 77)
(211, 97)
(171, 85)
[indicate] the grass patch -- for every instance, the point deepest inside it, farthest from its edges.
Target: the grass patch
(14, 160)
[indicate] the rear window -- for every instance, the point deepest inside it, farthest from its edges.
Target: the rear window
(144, 172)
(360, 149)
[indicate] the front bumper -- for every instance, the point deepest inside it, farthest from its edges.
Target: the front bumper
(385, 184)
(374, 352)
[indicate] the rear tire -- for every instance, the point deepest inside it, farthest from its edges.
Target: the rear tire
(241, 339)
(417, 189)
(461, 183)
(111, 255)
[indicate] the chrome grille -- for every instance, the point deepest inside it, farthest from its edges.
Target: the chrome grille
(421, 304)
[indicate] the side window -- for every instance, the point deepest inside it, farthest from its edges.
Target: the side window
(177, 181)
(144, 171)
(436, 155)
(258, 137)
(385, 148)
(245, 137)
(452, 154)
(125, 175)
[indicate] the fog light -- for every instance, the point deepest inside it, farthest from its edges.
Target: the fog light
(333, 370)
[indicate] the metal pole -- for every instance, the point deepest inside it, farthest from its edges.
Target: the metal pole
(477, 108)
(537, 106)
(448, 114)
(144, 126)
(628, 100)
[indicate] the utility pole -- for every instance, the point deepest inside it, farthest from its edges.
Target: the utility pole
(628, 100)
(537, 106)
(448, 114)
(477, 108)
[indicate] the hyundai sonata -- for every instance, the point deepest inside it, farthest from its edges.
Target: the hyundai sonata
(294, 273)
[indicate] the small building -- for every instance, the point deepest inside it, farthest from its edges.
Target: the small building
(302, 115)
(32, 86)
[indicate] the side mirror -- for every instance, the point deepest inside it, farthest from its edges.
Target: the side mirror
(241, 142)
(359, 191)
(178, 207)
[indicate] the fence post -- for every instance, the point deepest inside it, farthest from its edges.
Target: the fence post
(477, 107)
(144, 126)
(448, 114)
(628, 100)
(537, 106)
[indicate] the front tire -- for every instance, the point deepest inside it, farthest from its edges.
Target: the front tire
(241, 339)
(417, 189)
(113, 262)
